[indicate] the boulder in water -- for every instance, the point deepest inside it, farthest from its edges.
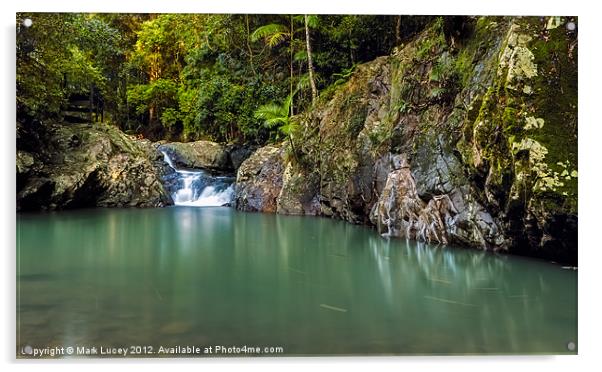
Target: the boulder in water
(199, 155)
(259, 180)
(239, 153)
(83, 165)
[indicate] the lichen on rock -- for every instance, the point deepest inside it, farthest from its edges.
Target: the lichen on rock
(451, 143)
(533, 123)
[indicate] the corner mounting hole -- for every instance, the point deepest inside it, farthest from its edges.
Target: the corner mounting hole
(571, 26)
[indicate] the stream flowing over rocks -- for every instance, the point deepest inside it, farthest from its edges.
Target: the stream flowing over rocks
(64, 166)
(463, 139)
(207, 155)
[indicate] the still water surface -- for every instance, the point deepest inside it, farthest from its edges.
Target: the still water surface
(215, 276)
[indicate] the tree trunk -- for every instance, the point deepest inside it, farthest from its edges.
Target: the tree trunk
(291, 65)
(290, 140)
(249, 45)
(310, 64)
(90, 103)
(398, 31)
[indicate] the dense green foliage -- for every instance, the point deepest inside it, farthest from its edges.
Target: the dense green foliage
(192, 76)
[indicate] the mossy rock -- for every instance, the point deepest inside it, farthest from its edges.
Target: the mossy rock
(487, 122)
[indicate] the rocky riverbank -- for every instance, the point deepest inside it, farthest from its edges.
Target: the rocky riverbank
(84, 165)
(211, 156)
(466, 139)
(64, 166)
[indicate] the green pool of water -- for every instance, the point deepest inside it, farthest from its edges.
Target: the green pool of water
(203, 277)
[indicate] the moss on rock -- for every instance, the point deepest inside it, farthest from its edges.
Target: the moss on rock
(488, 124)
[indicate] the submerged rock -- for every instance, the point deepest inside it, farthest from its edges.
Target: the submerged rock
(85, 165)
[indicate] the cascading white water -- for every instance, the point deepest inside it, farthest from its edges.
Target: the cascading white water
(198, 188)
(210, 196)
(167, 159)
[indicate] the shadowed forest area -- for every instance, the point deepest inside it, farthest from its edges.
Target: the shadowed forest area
(193, 76)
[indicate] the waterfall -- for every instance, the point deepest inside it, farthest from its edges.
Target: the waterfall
(197, 188)
(167, 159)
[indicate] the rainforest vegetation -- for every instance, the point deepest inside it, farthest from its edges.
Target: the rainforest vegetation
(195, 76)
(446, 129)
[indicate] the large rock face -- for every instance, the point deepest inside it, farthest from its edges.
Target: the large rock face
(469, 141)
(259, 181)
(199, 154)
(83, 165)
(447, 217)
(211, 156)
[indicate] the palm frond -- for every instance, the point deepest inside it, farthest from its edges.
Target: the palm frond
(274, 114)
(270, 123)
(289, 128)
(276, 39)
(288, 101)
(312, 21)
(303, 82)
(270, 111)
(300, 56)
(272, 33)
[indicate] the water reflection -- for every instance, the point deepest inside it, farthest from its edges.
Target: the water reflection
(315, 286)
